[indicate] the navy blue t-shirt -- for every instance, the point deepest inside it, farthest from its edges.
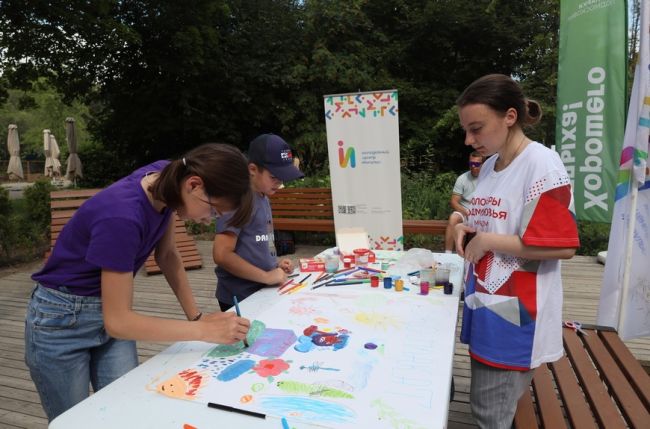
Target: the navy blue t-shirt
(255, 244)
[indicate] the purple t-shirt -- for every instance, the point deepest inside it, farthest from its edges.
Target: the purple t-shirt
(254, 244)
(116, 229)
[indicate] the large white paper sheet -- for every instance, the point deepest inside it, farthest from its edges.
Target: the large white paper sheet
(341, 358)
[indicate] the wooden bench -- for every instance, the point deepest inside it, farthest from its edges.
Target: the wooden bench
(598, 384)
(63, 205)
(311, 209)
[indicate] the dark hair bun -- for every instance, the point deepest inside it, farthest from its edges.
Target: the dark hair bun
(533, 112)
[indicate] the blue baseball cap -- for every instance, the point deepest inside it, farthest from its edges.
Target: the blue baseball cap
(274, 154)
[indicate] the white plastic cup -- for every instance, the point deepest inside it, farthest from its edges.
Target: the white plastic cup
(442, 275)
(331, 263)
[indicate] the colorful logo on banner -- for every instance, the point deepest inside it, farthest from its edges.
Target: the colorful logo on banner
(631, 156)
(386, 242)
(346, 157)
(374, 105)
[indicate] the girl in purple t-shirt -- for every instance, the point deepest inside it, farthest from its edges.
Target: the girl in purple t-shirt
(80, 326)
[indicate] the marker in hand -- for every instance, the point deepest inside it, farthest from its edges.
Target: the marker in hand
(239, 314)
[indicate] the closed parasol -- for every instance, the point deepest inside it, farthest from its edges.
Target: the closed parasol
(15, 167)
(51, 149)
(74, 163)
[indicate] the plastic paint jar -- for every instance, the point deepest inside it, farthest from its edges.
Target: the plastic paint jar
(388, 282)
(374, 281)
(448, 288)
(424, 288)
(348, 260)
(399, 285)
(361, 257)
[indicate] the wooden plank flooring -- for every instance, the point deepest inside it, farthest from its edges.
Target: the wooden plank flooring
(19, 403)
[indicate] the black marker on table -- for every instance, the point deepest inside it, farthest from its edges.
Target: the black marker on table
(236, 410)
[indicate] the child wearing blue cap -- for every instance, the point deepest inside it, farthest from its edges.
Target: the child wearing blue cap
(246, 257)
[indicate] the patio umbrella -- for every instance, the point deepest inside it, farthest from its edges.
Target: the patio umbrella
(15, 167)
(51, 149)
(74, 163)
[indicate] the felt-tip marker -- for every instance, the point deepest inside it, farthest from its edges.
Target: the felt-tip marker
(352, 282)
(234, 298)
(236, 410)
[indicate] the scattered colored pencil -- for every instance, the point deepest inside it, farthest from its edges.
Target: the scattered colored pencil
(296, 289)
(324, 278)
(285, 284)
(305, 278)
(355, 282)
(287, 290)
(321, 275)
(372, 270)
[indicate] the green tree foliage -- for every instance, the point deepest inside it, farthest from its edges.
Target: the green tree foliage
(161, 76)
(35, 109)
(7, 232)
(37, 200)
(24, 224)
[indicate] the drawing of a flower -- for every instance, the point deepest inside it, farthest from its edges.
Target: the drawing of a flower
(270, 367)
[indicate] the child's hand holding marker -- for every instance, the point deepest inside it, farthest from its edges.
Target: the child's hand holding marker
(239, 314)
(223, 327)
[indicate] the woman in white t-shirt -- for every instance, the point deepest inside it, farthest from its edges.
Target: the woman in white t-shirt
(522, 223)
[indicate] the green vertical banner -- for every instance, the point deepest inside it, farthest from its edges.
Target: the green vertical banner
(591, 101)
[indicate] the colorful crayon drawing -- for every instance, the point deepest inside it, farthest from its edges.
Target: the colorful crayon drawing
(353, 353)
(236, 369)
(396, 419)
(302, 310)
(225, 350)
(184, 385)
(377, 320)
(272, 342)
(270, 368)
(318, 366)
(315, 389)
(309, 409)
(312, 337)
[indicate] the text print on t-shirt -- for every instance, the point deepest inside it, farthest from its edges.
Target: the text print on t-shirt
(486, 207)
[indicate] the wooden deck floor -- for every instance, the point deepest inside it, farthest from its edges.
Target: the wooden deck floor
(19, 403)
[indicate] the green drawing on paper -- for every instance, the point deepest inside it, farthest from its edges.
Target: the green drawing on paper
(315, 389)
(225, 350)
(396, 419)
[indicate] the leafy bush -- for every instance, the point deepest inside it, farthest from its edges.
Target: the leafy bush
(24, 223)
(594, 237)
(425, 196)
(7, 230)
(37, 210)
(201, 231)
(101, 167)
(310, 182)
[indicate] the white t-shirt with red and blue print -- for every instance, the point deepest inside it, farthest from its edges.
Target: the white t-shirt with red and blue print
(512, 317)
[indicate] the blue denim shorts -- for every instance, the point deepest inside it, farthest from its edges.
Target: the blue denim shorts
(67, 348)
